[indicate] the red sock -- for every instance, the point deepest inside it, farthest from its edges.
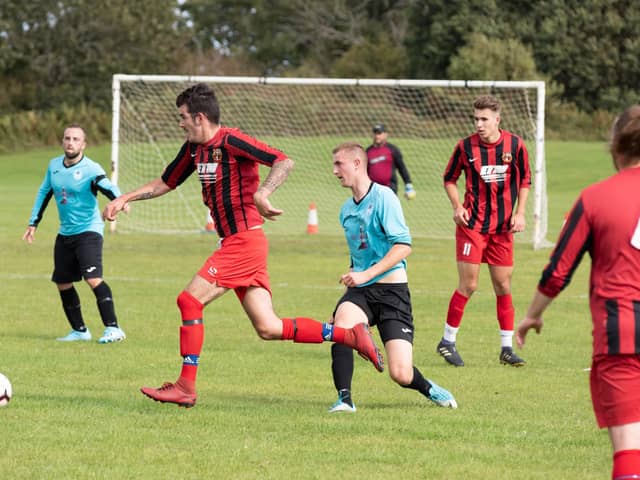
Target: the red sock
(302, 330)
(191, 334)
(456, 309)
(626, 464)
(339, 334)
(505, 311)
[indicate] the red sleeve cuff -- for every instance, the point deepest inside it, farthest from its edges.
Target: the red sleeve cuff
(549, 292)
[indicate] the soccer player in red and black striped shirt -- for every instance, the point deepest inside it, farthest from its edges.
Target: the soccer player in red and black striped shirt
(605, 222)
(227, 162)
(383, 159)
(496, 166)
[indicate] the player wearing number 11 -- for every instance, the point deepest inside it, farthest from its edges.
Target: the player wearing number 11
(496, 166)
(605, 222)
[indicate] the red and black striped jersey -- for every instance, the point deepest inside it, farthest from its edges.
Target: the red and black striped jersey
(382, 163)
(605, 221)
(227, 166)
(495, 173)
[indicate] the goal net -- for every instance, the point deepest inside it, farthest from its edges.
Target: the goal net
(306, 118)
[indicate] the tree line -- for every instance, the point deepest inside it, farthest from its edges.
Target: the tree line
(58, 56)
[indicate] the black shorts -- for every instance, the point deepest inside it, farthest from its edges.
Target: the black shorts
(77, 256)
(387, 305)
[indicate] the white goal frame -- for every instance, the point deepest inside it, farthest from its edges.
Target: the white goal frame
(539, 217)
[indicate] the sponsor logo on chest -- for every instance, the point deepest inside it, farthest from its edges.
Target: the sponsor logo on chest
(494, 173)
(207, 171)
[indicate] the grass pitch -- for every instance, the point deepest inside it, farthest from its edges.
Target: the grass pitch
(261, 413)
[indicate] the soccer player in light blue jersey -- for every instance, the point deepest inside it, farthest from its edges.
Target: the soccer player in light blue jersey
(74, 180)
(377, 287)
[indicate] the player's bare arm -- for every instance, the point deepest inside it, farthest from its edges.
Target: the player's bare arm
(518, 221)
(154, 188)
(277, 176)
(533, 319)
(397, 253)
(460, 214)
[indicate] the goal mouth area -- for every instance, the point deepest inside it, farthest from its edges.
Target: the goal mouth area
(306, 118)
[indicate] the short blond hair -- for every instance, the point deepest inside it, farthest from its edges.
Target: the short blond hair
(353, 148)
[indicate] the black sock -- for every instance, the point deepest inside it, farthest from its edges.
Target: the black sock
(418, 383)
(71, 306)
(345, 396)
(342, 366)
(105, 305)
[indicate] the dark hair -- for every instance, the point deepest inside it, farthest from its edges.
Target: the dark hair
(487, 101)
(625, 136)
(200, 98)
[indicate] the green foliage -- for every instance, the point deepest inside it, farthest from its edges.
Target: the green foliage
(28, 129)
(564, 121)
(365, 60)
(263, 31)
(485, 58)
(282, 36)
(438, 28)
(56, 52)
(592, 48)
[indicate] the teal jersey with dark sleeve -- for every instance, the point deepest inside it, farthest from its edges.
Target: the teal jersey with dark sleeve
(75, 189)
(372, 226)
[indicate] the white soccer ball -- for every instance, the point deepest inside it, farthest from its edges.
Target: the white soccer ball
(5, 390)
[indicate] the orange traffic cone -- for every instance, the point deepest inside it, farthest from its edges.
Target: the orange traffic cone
(211, 225)
(312, 221)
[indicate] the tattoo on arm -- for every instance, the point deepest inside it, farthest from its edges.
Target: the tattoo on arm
(278, 174)
(144, 195)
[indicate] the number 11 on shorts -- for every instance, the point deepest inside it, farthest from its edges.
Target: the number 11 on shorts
(466, 248)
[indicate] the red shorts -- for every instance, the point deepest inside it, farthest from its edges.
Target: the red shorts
(615, 389)
(239, 263)
(492, 248)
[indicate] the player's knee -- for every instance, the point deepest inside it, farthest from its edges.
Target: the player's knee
(267, 334)
(502, 287)
(468, 288)
(262, 332)
(94, 282)
(267, 330)
(401, 373)
(189, 306)
(184, 300)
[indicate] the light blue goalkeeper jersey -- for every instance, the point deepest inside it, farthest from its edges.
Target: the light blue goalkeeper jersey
(372, 226)
(75, 189)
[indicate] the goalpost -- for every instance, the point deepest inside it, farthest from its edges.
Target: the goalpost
(307, 118)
